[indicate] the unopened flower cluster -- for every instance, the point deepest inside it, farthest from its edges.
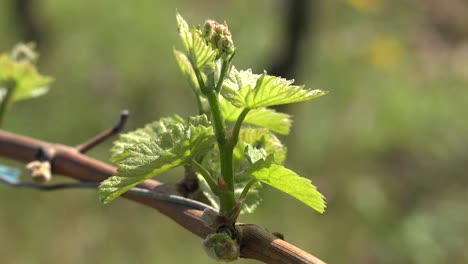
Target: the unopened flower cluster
(219, 37)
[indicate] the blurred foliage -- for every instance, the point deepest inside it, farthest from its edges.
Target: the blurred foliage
(19, 79)
(387, 146)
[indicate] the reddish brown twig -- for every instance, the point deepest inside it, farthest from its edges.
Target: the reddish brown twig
(257, 243)
(96, 140)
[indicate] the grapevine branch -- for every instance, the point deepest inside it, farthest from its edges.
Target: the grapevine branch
(257, 243)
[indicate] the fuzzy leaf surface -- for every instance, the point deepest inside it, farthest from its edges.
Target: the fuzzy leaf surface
(152, 131)
(154, 149)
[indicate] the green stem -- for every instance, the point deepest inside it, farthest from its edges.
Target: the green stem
(222, 76)
(206, 175)
(10, 87)
(223, 143)
(224, 71)
(201, 111)
(226, 195)
(237, 127)
(200, 80)
(199, 104)
(240, 202)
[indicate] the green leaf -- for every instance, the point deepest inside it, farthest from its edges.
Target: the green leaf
(184, 31)
(199, 52)
(247, 90)
(254, 154)
(283, 179)
(23, 73)
(237, 80)
(269, 118)
(263, 117)
(151, 131)
(187, 70)
(259, 138)
(154, 149)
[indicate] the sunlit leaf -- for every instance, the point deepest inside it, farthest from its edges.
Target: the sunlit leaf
(263, 117)
(283, 179)
(254, 154)
(199, 52)
(154, 149)
(247, 90)
(235, 81)
(151, 131)
(22, 74)
(184, 31)
(259, 138)
(187, 70)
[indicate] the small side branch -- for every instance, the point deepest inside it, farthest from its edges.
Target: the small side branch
(98, 139)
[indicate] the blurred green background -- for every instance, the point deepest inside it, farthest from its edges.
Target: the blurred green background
(388, 146)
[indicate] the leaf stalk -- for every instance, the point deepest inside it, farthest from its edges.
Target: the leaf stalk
(237, 127)
(206, 175)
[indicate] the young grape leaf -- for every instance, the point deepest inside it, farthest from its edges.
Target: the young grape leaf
(247, 90)
(187, 70)
(259, 138)
(254, 154)
(263, 117)
(149, 132)
(275, 175)
(237, 80)
(184, 31)
(22, 73)
(199, 53)
(154, 149)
